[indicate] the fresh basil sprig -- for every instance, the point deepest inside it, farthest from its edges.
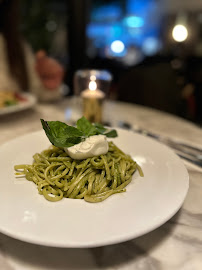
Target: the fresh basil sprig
(63, 135)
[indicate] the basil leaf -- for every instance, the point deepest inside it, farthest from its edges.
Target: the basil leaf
(60, 134)
(111, 133)
(107, 132)
(86, 127)
(100, 128)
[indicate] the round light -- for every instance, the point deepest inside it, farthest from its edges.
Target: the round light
(134, 21)
(92, 78)
(151, 45)
(180, 33)
(117, 46)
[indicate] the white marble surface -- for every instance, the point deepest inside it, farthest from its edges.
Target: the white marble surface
(177, 245)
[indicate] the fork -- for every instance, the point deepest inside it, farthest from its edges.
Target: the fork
(190, 153)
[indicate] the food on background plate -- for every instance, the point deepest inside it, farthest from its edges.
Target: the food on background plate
(10, 98)
(80, 163)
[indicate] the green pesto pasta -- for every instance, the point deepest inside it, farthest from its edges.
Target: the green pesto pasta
(94, 179)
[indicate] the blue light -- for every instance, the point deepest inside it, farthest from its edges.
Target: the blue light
(116, 31)
(112, 30)
(151, 46)
(138, 6)
(117, 46)
(107, 13)
(133, 21)
(103, 30)
(97, 30)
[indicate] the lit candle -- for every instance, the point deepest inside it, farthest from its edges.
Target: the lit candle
(92, 101)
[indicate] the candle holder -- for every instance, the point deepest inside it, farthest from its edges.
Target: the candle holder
(92, 86)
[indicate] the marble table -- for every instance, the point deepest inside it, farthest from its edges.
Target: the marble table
(176, 245)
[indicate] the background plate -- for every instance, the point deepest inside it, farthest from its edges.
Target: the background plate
(22, 105)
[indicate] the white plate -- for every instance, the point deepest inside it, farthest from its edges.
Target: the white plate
(148, 202)
(22, 105)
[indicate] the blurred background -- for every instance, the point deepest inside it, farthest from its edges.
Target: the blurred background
(153, 48)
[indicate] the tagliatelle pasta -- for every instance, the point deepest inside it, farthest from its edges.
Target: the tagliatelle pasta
(94, 179)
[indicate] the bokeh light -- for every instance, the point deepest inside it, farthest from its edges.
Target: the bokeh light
(180, 33)
(117, 46)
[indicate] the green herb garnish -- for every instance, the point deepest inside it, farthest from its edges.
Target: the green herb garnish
(10, 102)
(63, 135)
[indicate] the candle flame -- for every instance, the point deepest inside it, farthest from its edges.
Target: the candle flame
(92, 78)
(92, 85)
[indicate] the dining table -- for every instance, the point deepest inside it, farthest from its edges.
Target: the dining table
(175, 245)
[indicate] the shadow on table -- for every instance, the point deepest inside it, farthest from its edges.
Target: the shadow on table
(42, 257)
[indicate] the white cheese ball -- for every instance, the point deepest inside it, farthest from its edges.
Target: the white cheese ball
(93, 146)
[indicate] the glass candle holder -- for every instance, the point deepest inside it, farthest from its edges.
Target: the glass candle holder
(92, 86)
